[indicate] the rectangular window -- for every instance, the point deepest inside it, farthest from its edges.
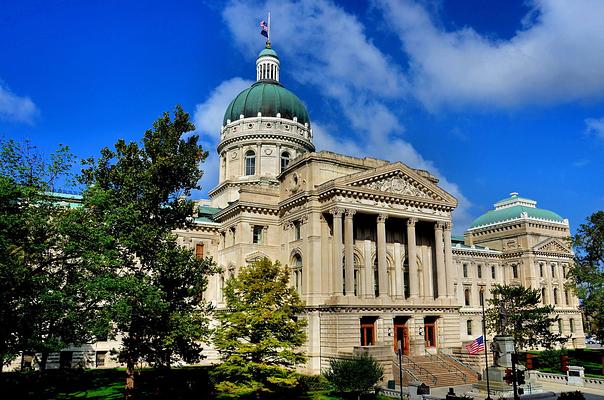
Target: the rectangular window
(466, 295)
(479, 271)
(572, 325)
(559, 326)
(257, 234)
(465, 270)
(199, 250)
(553, 270)
(564, 271)
(493, 272)
(515, 271)
(368, 331)
(481, 298)
(469, 326)
(100, 358)
(541, 270)
(297, 230)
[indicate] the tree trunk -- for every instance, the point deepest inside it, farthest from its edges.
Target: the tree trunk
(43, 361)
(130, 379)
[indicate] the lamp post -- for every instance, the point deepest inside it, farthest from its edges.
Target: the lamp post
(484, 337)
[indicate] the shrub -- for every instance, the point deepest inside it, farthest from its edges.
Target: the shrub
(550, 358)
(571, 396)
(313, 383)
(356, 375)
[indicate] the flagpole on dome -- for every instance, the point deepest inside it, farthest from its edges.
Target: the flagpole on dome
(269, 30)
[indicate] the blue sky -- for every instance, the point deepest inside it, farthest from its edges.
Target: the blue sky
(492, 97)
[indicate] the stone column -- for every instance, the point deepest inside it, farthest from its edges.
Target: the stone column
(369, 285)
(381, 255)
(399, 291)
(337, 251)
(259, 159)
(449, 266)
(349, 251)
(412, 252)
(441, 274)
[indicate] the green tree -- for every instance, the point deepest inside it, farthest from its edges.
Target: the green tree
(517, 311)
(259, 333)
(357, 375)
(138, 193)
(45, 303)
(587, 274)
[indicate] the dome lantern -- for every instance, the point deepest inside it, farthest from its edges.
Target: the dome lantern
(267, 65)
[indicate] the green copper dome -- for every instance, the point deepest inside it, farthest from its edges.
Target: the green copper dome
(269, 98)
(513, 208)
(268, 52)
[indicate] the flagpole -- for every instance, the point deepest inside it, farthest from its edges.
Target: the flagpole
(484, 337)
(269, 27)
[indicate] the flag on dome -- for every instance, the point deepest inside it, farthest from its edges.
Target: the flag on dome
(476, 346)
(264, 27)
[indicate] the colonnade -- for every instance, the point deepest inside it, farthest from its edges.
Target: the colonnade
(343, 243)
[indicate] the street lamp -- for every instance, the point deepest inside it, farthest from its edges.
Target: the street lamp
(484, 337)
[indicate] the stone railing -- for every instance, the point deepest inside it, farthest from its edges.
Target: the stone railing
(597, 383)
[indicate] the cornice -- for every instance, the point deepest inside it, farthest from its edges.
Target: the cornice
(255, 137)
(245, 206)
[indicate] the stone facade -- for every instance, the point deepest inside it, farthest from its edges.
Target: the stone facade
(368, 242)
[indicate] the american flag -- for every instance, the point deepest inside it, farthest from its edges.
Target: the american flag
(264, 27)
(476, 346)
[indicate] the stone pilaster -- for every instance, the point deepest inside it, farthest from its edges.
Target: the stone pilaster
(449, 265)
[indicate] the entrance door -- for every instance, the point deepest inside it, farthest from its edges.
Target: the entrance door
(401, 333)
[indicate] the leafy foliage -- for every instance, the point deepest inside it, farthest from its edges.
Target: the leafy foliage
(587, 274)
(259, 334)
(517, 311)
(138, 195)
(356, 375)
(550, 358)
(46, 296)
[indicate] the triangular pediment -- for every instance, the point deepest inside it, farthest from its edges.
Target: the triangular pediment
(255, 256)
(553, 246)
(399, 180)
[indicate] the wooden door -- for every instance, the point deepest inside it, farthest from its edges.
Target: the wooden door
(401, 333)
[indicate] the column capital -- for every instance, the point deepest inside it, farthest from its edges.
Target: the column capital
(336, 212)
(381, 218)
(439, 226)
(411, 221)
(448, 226)
(349, 213)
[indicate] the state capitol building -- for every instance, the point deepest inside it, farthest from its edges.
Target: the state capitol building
(368, 241)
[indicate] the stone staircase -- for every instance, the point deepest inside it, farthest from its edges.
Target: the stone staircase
(433, 370)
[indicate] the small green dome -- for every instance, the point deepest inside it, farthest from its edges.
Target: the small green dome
(268, 52)
(513, 208)
(269, 98)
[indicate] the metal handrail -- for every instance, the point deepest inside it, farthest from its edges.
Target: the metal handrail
(450, 368)
(456, 361)
(406, 370)
(420, 368)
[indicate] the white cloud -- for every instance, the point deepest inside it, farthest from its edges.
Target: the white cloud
(16, 108)
(595, 126)
(208, 121)
(557, 58)
(325, 47)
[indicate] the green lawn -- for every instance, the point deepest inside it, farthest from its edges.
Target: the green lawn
(108, 384)
(590, 359)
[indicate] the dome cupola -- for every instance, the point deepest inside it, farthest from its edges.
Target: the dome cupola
(264, 128)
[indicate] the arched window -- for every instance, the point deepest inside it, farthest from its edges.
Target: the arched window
(406, 287)
(466, 295)
(250, 163)
(357, 274)
(297, 273)
(284, 160)
(555, 296)
(543, 295)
